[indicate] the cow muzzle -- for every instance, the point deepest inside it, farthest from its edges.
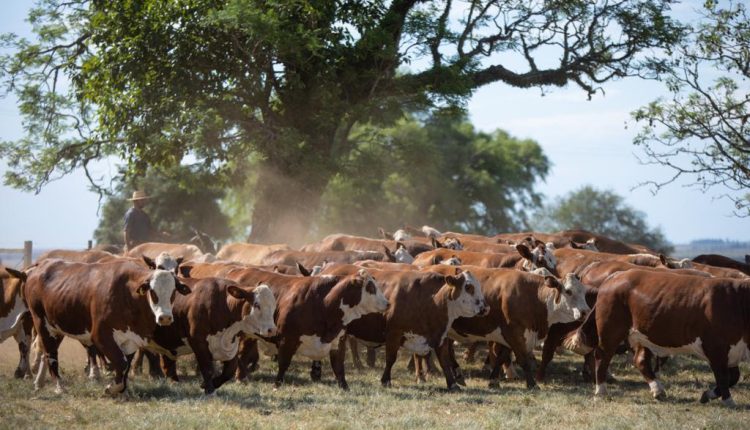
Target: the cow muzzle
(164, 320)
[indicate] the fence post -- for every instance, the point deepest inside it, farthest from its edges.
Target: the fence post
(27, 254)
(90, 244)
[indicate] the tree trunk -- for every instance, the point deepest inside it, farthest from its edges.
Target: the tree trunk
(286, 205)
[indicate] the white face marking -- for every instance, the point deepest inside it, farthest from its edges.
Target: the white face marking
(591, 245)
(401, 235)
(453, 261)
(260, 320)
(430, 232)
(312, 346)
(636, 338)
(316, 270)
(467, 305)
(416, 344)
(572, 305)
(128, 341)
(165, 261)
(453, 243)
(403, 256)
(162, 284)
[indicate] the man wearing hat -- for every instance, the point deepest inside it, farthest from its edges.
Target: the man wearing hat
(137, 223)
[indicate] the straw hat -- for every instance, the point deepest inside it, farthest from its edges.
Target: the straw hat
(139, 195)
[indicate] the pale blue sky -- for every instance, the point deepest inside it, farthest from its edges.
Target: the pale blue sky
(587, 142)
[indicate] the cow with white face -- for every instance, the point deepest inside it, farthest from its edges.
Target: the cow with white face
(114, 306)
(569, 302)
(208, 323)
(402, 254)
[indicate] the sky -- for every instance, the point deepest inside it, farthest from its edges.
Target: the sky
(587, 141)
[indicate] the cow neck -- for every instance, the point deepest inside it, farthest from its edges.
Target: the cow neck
(547, 296)
(334, 304)
(442, 301)
(235, 305)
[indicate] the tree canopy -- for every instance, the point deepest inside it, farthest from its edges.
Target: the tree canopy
(701, 132)
(284, 82)
(603, 212)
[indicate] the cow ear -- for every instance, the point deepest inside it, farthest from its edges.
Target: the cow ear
(302, 269)
(239, 293)
(184, 270)
(524, 251)
(149, 262)
(663, 260)
(143, 289)
(181, 288)
(389, 254)
(16, 273)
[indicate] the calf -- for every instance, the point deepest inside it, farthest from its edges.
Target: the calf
(522, 307)
(14, 317)
(114, 306)
(313, 312)
(670, 314)
(209, 321)
(423, 307)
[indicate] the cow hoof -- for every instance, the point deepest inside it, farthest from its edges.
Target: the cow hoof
(461, 381)
(707, 396)
(19, 374)
(344, 386)
(532, 387)
(386, 384)
(454, 388)
(729, 403)
(114, 390)
(494, 383)
(611, 379)
(661, 396)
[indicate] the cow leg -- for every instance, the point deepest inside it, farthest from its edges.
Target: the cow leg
(354, 347)
(470, 353)
(430, 365)
(154, 367)
(603, 359)
(723, 377)
(247, 358)
(419, 368)
(457, 373)
(284, 358)
(36, 353)
(316, 371)
(489, 363)
(137, 365)
(23, 338)
(445, 363)
(169, 367)
(338, 357)
(92, 366)
(642, 360)
(554, 339)
(589, 368)
(411, 365)
(392, 344)
(227, 371)
(524, 358)
(371, 356)
(120, 362)
(49, 345)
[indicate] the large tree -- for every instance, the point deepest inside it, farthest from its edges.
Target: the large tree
(435, 169)
(701, 132)
(153, 81)
(603, 212)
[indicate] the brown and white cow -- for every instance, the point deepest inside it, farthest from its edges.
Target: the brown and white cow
(522, 307)
(313, 312)
(114, 306)
(524, 259)
(14, 317)
(667, 314)
(209, 323)
(423, 307)
(310, 259)
(248, 253)
(344, 242)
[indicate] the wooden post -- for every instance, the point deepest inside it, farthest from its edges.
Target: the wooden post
(27, 254)
(90, 244)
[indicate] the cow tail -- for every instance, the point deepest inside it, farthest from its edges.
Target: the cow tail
(586, 337)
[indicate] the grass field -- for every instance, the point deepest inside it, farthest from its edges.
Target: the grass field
(563, 402)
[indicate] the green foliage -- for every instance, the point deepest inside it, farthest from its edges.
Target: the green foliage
(183, 200)
(438, 170)
(601, 212)
(701, 132)
(283, 82)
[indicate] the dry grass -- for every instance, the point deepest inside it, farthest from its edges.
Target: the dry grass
(563, 402)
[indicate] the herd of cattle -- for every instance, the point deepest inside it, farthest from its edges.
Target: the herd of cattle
(416, 289)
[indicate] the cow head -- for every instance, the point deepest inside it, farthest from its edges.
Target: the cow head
(401, 235)
(589, 245)
(541, 256)
(257, 313)
(449, 243)
(673, 263)
(402, 254)
(164, 261)
(159, 290)
(362, 296)
(568, 302)
(430, 232)
(465, 298)
(452, 261)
